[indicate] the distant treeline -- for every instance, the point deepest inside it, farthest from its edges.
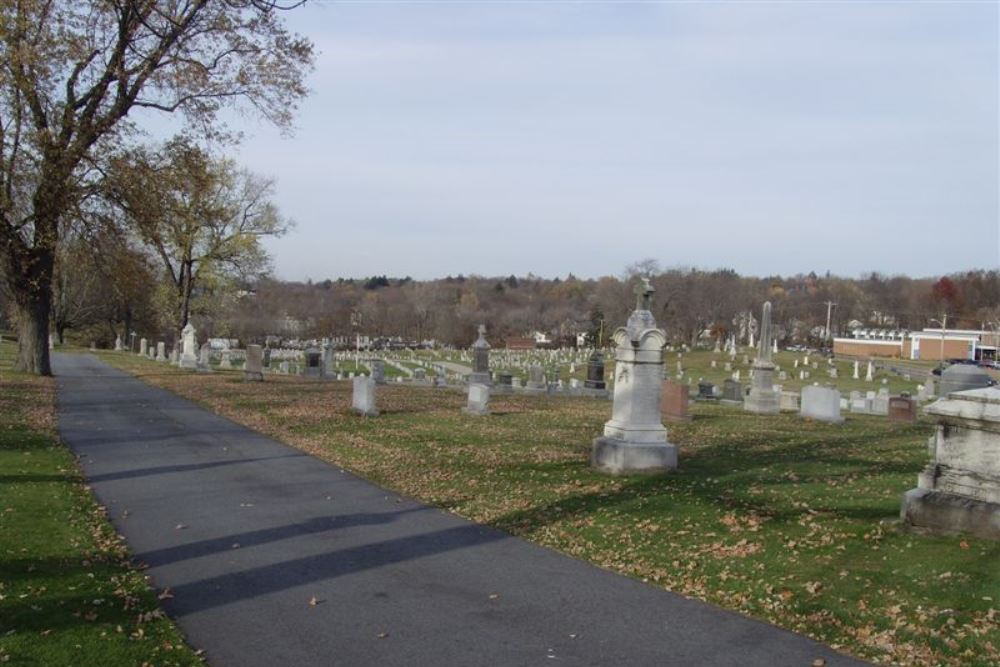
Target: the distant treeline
(687, 302)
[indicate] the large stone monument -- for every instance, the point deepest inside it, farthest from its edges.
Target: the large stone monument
(189, 347)
(960, 377)
(959, 490)
(763, 399)
(480, 359)
(253, 368)
(634, 438)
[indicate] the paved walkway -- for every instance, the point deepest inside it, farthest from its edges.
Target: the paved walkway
(246, 531)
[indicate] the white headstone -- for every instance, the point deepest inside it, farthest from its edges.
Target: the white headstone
(363, 399)
(479, 400)
(821, 404)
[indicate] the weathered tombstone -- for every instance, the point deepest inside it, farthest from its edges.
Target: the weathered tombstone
(789, 401)
(870, 373)
(174, 356)
(959, 490)
(728, 367)
(284, 367)
(161, 351)
(858, 403)
(706, 390)
(265, 357)
(118, 343)
(419, 374)
(763, 399)
(880, 404)
(928, 391)
(732, 392)
(363, 399)
(329, 359)
(480, 359)
(595, 371)
(253, 368)
(504, 383)
(536, 379)
(479, 400)
(93, 346)
(902, 409)
(962, 377)
(674, 405)
(821, 404)
(857, 370)
(204, 358)
(783, 376)
(226, 360)
(378, 370)
(313, 362)
(634, 438)
(189, 347)
(515, 382)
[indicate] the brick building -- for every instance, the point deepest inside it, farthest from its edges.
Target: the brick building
(927, 344)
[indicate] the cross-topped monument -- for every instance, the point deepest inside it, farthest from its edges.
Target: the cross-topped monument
(643, 294)
(482, 330)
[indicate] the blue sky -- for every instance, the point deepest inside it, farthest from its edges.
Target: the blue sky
(546, 137)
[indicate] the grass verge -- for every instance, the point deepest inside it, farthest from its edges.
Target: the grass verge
(68, 594)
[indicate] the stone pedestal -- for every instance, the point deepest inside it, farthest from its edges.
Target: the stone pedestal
(959, 490)
(634, 438)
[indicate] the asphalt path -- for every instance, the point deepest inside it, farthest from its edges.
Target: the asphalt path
(276, 558)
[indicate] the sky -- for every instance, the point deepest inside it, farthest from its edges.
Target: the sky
(497, 138)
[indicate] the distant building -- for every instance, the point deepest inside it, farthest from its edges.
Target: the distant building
(520, 343)
(928, 344)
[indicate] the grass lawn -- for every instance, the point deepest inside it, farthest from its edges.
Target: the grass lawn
(774, 517)
(68, 595)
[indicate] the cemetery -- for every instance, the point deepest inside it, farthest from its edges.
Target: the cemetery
(607, 334)
(790, 516)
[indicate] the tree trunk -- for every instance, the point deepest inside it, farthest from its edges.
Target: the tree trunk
(33, 332)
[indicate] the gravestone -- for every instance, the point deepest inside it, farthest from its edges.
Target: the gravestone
(959, 490)
(763, 399)
(732, 392)
(175, 356)
(504, 383)
(478, 400)
(595, 371)
(821, 404)
(313, 362)
(927, 393)
(253, 368)
(634, 438)
(363, 398)
(870, 373)
(789, 401)
(161, 351)
(419, 374)
(226, 360)
(118, 343)
(674, 405)
(189, 347)
(329, 359)
(536, 379)
(480, 359)
(962, 377)
(902, 409)
(858, 402)
(880, 403)
(706, 391)
(204, 359)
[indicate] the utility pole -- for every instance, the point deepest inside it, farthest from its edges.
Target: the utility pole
(829, 310)
(944, 325)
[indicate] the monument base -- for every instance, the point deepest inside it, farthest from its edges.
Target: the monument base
(476, 412)
(479, 378)
(619, 457)
(948, 514)
(762, 402)
(252, 376)
(189, 364)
